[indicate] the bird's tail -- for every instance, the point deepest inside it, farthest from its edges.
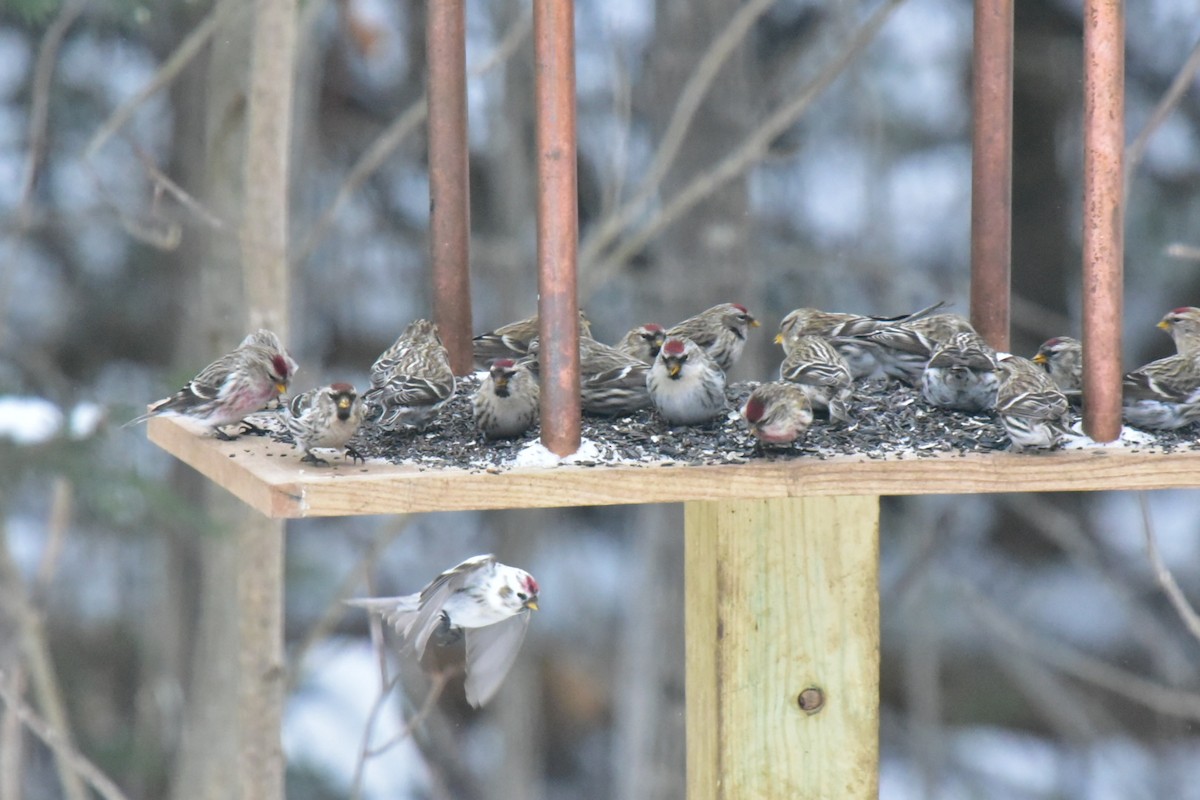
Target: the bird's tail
(399, 612)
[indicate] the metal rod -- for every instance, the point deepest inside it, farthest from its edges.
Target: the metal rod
(449, 182)
(1103, 214)
(991, 171)
(557, 223)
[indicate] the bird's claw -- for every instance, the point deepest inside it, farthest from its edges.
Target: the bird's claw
(252, 429)
(354, 455)
(313, 459)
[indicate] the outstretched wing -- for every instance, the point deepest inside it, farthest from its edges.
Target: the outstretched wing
(398, 612)
(435, 595)
(491, 651)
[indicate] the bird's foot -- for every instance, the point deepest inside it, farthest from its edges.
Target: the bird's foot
(252, 429)
(310, 458)
(354, 455)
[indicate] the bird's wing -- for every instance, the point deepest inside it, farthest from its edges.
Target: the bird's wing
(491, 651)
(1158, 384)
(435, 595)
(815, 373)
(396, 611)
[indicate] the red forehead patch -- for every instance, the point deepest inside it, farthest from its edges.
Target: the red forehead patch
(280, 365)
(1182, 310)
(504, 363)
(740, 308)
(673, 347)
(653, 327)
(754, 409)
(531, 586)
(342, 388)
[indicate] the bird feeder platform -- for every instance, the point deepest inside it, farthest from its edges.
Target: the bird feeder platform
(782, 597)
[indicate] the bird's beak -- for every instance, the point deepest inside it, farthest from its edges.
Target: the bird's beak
(673, 369)
(1040, 358)
(531, 604)
(281, 388)
(343, 402)
(1166, 326)
(754, 323)
(779, 338)
(501, 383)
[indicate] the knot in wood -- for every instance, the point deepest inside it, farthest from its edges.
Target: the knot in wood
(811, 700)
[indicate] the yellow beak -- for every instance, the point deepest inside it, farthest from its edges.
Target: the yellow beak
(754, 323)
(1040, 358)
(344, 402)
(673, 368)
(281, 388)
(779, 338)
(1166, 326)
(531, 605)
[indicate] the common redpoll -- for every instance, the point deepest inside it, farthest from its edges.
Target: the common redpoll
(815, 365)
(720, 331)
(1062, 358)
(480, 599)
(506, 403)
(611, 382)
(512, 340)
(235, 385)
(845, 332)
(686, 385)
(643, 342)
(410, 380)
(1033, 410)
(905, 348)
(1183, 324)
(777, 412)
(961, 374)
(326, 417)
(1164, 394)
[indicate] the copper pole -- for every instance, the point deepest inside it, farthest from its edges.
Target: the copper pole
(557, 222)
(1103, 214)
(991, 170)
(449, 184)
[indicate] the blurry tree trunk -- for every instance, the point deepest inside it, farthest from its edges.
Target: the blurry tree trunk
(703, 260)
(650, 722)
(230, 745)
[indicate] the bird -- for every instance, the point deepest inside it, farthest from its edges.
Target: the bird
(1062, 358)
(1183, 325)
(720, 331)
(643, 342)
(904, 348)
(961, 374)
(237, 384)
(845, 331)
(611, 382)
(816, 366)
(481, 600)
(512, 340)
(327, 416)
(1164, 394)
(506, 403)
(777, 413)
(686, 385)
(410, 380)
(1031, 407)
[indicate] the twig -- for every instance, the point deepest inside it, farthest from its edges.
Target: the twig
(1166, 105)
(188, 49)
(394, 134)
(164, 183)
(690, 99)
(12, 741)
(62, 748)
(751, 151)
(1158, 698)
(437, 686)
(1185, 610)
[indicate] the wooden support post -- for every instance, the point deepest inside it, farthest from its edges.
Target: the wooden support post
(782, 624)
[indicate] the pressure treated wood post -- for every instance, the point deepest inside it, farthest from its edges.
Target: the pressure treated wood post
(782, 597)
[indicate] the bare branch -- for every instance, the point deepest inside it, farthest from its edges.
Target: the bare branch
(1161, 699)
(750, 152)
(61, 746)
(690, 99)
(394, 134)
(188, 49)
(1163, 575)
(1166, 105)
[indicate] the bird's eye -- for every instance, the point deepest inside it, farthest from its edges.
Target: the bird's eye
(522, 596)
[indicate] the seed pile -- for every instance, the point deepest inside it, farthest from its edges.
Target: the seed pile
(889, 421)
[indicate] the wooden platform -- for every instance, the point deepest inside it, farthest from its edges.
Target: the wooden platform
(269, 477)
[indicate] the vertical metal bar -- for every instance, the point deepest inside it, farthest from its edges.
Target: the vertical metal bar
(449, 183)
(557, 222)
(1103, 214)
(991, 171)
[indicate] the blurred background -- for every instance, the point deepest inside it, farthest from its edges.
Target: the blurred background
(1028, 650)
